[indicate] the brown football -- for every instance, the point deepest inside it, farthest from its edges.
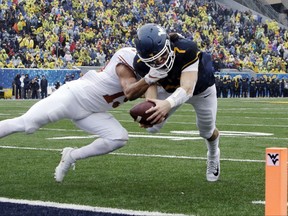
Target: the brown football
(138, 112)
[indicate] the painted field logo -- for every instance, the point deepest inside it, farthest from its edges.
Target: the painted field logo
(273, 159)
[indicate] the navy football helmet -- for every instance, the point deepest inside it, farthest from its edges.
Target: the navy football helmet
(154, 48)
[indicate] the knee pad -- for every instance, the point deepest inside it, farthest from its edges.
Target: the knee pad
(30, 126)
(114, 144)
(206, 134)
(118, 141)
(29, 122)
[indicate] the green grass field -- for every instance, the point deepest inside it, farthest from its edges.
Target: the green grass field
(162, 172)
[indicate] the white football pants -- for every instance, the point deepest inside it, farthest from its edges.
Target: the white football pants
(62, 104)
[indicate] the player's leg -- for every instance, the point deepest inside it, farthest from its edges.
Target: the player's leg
(205, 105)
(61, 104)
(111, 137)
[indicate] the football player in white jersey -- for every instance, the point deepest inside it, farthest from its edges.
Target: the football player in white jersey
(86, 101)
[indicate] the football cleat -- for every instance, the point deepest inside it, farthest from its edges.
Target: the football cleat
(65, 163)
(213, 168)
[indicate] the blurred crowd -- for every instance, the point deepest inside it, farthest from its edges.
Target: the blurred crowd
(66, 33)
(255, 87)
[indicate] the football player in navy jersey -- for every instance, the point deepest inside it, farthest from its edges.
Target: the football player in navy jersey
(189, 79)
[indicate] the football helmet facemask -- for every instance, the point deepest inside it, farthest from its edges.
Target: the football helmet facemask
(154, 48)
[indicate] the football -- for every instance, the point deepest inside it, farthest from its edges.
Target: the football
(138, 112)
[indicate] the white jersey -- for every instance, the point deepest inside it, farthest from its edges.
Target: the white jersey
(99, 91)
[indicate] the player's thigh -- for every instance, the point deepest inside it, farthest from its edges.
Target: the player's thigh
(61, 104)
(205, 105)
(102, 124)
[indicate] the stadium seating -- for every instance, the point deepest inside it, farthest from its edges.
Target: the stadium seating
(66, 34)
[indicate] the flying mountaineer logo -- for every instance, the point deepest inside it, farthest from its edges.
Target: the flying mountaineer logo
(161, 31)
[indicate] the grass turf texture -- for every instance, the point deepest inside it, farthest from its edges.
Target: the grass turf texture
(172, 185)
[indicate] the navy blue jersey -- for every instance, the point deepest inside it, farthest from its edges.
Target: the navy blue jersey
(186, 54)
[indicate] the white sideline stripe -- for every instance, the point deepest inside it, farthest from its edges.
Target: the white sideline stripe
(260, 202)
(188, 157)
(248, 135)
(130, 135)
(85, 207)
(142, 155)
(29, 148)
(225, 133)
(175, 138)
(186, 135)
(168, 137)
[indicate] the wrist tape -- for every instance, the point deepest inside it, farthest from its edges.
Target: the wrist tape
(178, 97)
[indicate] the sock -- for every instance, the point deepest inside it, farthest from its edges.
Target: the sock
(212, 147)
(97, 147)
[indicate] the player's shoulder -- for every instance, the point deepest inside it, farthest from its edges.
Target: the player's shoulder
(186, 52)
(124, 55)
(125, 52)
(182, 44)
(185, 46)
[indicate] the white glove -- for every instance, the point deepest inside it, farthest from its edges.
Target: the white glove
(154, 75)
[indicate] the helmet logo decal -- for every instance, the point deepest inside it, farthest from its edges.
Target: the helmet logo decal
(161, 31)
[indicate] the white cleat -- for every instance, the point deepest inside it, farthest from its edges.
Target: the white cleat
(213, 168)
(65, 163)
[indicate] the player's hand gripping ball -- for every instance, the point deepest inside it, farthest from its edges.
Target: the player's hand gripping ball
(138, 112)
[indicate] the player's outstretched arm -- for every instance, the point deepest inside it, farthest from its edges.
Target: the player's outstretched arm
(132, 88)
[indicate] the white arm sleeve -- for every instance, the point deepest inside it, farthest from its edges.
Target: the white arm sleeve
(178, 97)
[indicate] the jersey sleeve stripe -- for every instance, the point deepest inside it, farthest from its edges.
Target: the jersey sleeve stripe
(176, 49)
(191, 62)
(125, 62)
